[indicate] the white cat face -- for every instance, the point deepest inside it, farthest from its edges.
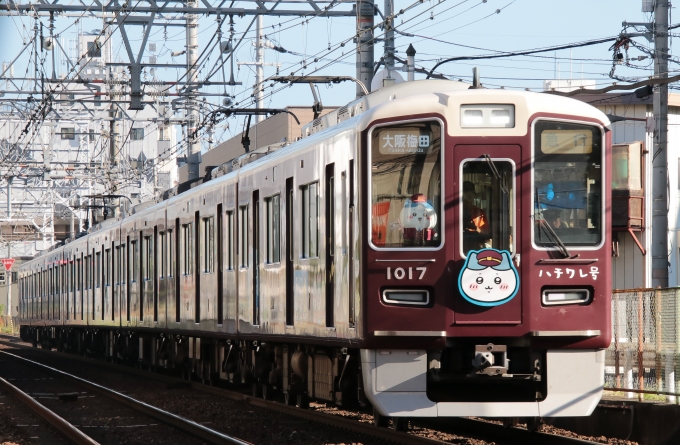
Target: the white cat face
(488, 278)
(419, 215)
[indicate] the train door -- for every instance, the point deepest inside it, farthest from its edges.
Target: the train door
(330, 244)
(290, 272)
(487, 234)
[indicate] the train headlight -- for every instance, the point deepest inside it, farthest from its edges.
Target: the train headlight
(487, 116)
(406, 296)
(552, 297)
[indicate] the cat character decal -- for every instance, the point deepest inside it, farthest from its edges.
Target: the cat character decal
(418, 219)
(489, 278)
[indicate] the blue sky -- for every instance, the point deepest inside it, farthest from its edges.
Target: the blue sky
(520, 25)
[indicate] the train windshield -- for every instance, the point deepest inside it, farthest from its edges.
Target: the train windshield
(568, 185)
(406, 186)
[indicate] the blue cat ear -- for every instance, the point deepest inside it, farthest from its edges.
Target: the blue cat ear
(472, 262)
(506, 264)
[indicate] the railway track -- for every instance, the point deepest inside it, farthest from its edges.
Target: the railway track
(460, 427)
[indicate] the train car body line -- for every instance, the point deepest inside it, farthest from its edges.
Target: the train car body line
(186, 425)
(59, 423)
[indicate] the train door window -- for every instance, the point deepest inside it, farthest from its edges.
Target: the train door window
(187, 249)
(154, 272)
(272, 208)
(405, 174)
(117, 274)
(107, 267)
(208, 245)
(568, 185)
(220, 264)
(243, 232)
(98, 269)
(147, 258)
(171, 253)
(133, 261)
(310, 220)
(230, 240)
(488, 205)
(162, 255)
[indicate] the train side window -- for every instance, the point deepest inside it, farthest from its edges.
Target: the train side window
(243, 222)
(98, 270)
(161, 249)
(272, 208)
(310, 220)
(122, 270)
(107, 267)
(116, 278)
(186, 249)
(230, 240)
(208, 245)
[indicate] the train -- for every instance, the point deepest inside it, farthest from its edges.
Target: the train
(430, 250)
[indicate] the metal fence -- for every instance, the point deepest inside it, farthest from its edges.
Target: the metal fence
(645, 352)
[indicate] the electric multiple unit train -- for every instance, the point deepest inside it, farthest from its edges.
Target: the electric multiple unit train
(432, 249)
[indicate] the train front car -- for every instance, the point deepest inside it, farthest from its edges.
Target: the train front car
(486, 269)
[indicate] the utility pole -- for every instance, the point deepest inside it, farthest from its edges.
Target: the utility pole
(660, 229)
(9, 250)
(389, 43)
(259, 67)
(365, 57)
(193, 141)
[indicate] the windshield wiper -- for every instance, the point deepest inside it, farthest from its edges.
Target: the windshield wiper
(494, 170)
(552, 236)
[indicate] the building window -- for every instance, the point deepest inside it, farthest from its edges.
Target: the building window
(137, 134)
(68, 134)
(208, 245)
(94, 49)
(187, 249)
(163, 133)
(91, 134)
(272, 207)
(310, 220)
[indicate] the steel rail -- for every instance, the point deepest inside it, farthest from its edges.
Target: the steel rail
(59, 423)
(476, 428)
(186, 425)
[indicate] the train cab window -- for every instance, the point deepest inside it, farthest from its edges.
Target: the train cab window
(208, 245)
(568, 185)
(310, 220)
(487, 204)
(273, 215)
(406, 207)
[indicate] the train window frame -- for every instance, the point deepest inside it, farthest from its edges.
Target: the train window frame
(309, 231)
(207, 244)
(514, 198)
(273, 229)
(441, 215)
(603, 174)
